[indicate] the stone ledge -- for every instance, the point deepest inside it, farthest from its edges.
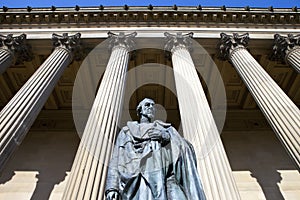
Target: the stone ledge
(158, 14)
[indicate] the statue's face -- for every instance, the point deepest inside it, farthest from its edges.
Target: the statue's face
(148, 108)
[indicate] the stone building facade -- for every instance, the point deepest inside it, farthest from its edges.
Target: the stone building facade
(226, 78)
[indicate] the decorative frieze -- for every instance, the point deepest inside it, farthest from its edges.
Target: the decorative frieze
(196, 14)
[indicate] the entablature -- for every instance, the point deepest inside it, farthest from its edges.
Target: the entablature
(151, 16)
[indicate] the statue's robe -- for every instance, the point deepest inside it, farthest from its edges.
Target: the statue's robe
(144, 169)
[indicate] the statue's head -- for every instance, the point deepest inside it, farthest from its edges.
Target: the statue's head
(146, 109)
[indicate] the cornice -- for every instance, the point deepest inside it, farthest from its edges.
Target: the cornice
(263, 33)
(157, 14)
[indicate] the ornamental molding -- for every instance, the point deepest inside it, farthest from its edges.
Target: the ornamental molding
(284, 44)
(11, 42)
(178, 40)
(66, 41)
(17, 46)
(121, 40)
(229, 43)
(70, 43)
(150, 14)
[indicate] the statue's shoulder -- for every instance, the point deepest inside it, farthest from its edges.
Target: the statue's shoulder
(129, 126)
(163, 124)
(125, 134)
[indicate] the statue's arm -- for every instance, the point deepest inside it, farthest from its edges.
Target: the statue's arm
(165, 137)
(186, 144)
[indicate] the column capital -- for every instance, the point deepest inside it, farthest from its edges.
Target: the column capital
(11, 42)
(17, 46)
(178, 40)
(121, 40)
(228, 43)
(284, 44)
(70, 43)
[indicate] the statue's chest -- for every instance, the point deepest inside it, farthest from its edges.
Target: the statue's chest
(144, 129)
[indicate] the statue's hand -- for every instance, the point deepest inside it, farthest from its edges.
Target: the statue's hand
(155, 134)
(112, 195)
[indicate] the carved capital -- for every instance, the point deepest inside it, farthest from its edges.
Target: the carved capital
(228, 43)
(71, 43)
(66, 41)
(10, 42)
(121, 40)
(283, 45)
(17, 46)
(178, 40)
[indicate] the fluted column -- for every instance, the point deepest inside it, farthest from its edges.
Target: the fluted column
(282, 114)
(88, 174)
(288, 49)
(198, 124)
(21, 111)
(9, 46)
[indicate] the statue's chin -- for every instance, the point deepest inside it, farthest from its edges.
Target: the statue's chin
(150, 116)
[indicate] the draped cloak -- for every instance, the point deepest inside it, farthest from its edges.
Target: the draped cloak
(152, 170)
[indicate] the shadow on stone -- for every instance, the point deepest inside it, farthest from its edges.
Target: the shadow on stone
(268, 180)
(259, 155)
(40, 163)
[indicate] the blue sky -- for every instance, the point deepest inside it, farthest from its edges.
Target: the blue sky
(229, 3)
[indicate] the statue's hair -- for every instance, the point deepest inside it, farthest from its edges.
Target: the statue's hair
(139, 107)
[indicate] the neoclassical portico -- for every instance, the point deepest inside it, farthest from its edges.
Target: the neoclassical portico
(88, 173)
(256, 170)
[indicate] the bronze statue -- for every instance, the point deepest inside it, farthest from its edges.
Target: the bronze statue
(152, 161)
